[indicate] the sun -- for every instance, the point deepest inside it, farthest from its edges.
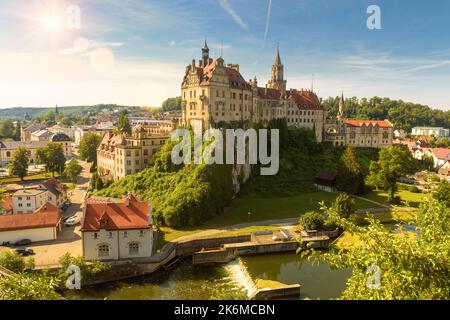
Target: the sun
(52, 23)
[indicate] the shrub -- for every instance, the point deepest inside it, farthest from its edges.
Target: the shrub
(357, 219)
(12, 261)
(312, 220)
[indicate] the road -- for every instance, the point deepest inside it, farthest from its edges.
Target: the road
(69, 239)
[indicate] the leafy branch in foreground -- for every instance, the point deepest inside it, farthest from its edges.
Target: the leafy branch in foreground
(413, 265)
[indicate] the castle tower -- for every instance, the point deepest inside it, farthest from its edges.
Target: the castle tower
(277, 76)
(341, 112)
(205, 54)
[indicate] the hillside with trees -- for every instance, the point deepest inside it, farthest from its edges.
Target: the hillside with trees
(402, 114)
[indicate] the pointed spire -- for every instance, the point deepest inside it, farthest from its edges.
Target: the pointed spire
(277, 56)
(205, 46)
(341, 106)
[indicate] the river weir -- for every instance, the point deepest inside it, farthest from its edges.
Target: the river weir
(188, 281)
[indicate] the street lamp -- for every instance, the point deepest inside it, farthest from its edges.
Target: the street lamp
(249, 214)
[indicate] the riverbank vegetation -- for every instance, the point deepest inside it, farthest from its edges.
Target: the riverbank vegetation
(409, 263)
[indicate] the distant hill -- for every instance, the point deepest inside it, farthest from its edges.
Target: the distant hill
(18, 113)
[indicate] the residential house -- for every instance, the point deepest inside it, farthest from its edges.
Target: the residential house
(29, 200)
(437, 132)
(325, 180)
(41, 225)
(116, 230)
(440, 156)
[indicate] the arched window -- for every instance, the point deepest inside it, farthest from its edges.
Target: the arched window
(103, 250)
(133, 248)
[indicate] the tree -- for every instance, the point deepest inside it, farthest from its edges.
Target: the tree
(442, 193)
(312, 220)
(350, 177)
(12, 261)
(18, 163)
(72, 170)
(344, 205)
(172, 104)
(410, 266)
(123, 124)
(28, 287)
(88, 146)
(7, 129)
(52, 156)
(394, 162)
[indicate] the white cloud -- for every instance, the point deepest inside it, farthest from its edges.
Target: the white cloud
(229, 9)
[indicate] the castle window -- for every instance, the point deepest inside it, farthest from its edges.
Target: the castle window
(103, 250)
(133, 248)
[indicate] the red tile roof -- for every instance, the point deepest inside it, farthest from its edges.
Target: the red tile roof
(45, 217)
(441, 153)
(116, 215)
(380, 123)
(6, 204)
(304, 99)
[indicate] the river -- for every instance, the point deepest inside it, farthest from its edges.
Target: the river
(187, 281)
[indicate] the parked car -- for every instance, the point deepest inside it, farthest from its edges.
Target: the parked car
(72, 221)
(22, 242)
(25, 252)
(6, 244)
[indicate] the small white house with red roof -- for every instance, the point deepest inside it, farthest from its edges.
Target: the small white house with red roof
(115, 230)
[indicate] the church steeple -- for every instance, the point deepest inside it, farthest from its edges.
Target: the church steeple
(277, 75)
(341, 107)
(205, 54)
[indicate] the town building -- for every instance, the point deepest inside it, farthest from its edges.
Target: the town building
(7, 148)
(80, 131)
(28, 200)
(41, 225)
(359, 133)
(116, 230)
(214, 93)
(65, 142)
(119, 155)
(437, 132)
(27, 130)
(41, 135)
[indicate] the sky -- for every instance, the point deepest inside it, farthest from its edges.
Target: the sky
(134, 52)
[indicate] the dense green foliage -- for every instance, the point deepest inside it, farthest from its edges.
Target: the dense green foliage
(344, 205)
(88, 146)
(172, 104)
(25, 286)
(312, 220)
(14, 262)
(89, 271)
(123, 125)
(411, 266)
(73, 170)
(181, 195)
(300, 159)
(442, 193)
(402, 114)
(18, 163)
(350, 176)
(8, 130)
(52, 156)
(394, 162)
